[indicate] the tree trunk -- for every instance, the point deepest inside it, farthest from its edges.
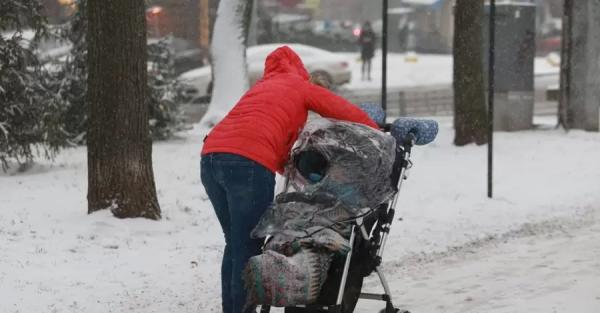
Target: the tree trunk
(251, 22)
(120, 176)
(565, 61)
(470, 113)
(580, 64)
(230, 75)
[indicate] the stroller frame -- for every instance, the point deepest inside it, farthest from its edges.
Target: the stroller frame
(375, 242)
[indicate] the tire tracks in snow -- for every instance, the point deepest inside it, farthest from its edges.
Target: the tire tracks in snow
(557, 225)
(547, 266)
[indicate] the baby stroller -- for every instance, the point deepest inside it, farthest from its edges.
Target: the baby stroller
(367, 229)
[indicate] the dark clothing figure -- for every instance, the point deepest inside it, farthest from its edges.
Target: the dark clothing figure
(367, 40)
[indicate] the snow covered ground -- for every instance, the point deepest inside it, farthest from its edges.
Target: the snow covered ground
(553, 270)
(533, 248)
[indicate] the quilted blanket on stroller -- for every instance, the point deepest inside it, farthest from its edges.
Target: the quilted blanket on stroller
(280, 280)
(296, 259)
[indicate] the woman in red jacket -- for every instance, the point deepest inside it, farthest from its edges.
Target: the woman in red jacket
(242, 153)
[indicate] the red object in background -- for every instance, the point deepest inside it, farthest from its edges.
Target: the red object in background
(153, 11)
(153, 18)
(551, 44)
(290, 3)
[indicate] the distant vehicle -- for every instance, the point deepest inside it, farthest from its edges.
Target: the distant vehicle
(339, 30)
(332, 68)
(186, 55)
(549, 45)
(48, 48)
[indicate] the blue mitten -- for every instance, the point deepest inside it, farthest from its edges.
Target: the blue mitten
(424, 131)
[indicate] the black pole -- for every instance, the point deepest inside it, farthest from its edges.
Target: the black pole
(384, 32)
(491, 85)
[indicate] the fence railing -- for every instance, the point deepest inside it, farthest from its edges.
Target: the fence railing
(417, 101)
(421, 101)
(429, 101)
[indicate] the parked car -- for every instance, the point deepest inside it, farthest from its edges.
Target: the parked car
(186, 55)
(48, 48)
(549, 45)
(332, 68)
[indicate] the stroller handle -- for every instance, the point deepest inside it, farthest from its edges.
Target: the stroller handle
(405, 130)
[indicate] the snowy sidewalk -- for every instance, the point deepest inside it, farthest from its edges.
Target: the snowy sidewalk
(56, 258)
(558, 271)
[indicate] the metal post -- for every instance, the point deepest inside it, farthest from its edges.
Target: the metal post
(384, 37)
(491, 85)
(566, 52)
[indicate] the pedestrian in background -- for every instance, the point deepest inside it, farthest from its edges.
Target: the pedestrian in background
(367, 41)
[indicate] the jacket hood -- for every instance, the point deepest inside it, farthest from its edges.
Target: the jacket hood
(283, 61)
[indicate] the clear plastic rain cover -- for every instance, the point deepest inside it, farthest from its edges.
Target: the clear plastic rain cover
(357, 162)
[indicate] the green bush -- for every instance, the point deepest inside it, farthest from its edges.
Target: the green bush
(30, 113)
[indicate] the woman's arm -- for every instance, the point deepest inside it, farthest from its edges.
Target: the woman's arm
(328, 104)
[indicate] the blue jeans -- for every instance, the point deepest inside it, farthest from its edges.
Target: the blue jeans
(240, 191)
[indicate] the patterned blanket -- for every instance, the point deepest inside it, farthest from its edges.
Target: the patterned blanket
(296, 259)
(278, 280)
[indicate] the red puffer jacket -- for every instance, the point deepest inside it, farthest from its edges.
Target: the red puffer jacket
(266, 121)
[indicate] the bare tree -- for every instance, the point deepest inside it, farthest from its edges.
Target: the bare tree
(469, 95)
(120, 176)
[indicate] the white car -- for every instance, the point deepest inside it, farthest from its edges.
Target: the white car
(334, 69)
